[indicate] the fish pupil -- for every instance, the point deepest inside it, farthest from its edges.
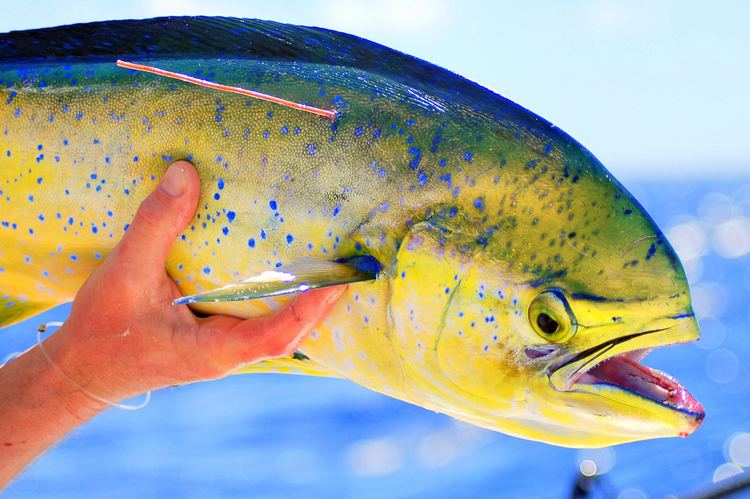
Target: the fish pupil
(547, 324)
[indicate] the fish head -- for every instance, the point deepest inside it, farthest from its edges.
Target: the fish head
(531, 315)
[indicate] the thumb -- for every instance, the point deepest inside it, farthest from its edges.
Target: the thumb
(161, 216)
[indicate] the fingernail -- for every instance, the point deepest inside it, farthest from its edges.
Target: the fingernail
(173, 182)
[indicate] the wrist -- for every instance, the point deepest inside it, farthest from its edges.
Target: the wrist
(54, 384)
(73, 362)
(44, 408)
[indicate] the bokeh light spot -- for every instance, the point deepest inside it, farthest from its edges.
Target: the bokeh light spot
(726, 470)
(739, 449)
(722, 366)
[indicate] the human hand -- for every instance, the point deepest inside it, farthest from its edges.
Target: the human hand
(124, 336)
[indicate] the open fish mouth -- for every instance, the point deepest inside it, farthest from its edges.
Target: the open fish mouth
(613, 365)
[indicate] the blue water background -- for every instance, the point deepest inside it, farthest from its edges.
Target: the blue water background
(284, 436)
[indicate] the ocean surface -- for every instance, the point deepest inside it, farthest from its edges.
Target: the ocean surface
(288, 436)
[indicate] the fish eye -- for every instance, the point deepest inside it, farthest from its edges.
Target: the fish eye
(547, 324)
(551, 317)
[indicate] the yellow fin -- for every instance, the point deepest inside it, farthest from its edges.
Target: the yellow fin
(298, 363)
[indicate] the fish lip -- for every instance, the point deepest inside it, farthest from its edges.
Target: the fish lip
(563, 374)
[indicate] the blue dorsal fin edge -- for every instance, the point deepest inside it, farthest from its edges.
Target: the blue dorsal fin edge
(218, 37)
(166, 38)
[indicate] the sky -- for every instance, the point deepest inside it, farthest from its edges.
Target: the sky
(653, 88)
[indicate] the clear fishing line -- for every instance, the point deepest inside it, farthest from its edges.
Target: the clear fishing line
(126, 407)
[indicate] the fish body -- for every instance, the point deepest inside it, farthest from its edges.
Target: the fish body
(519, 283)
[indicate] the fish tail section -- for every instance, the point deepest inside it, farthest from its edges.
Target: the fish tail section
(32, 278)
(14, 309)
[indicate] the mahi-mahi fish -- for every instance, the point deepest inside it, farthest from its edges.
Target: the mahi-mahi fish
(499, 274)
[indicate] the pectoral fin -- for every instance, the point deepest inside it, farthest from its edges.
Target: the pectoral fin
(298, 277)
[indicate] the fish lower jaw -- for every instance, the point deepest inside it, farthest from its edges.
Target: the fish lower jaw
(626, 373)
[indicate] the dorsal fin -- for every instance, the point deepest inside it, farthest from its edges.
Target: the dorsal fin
(218, 37)
(225, 37)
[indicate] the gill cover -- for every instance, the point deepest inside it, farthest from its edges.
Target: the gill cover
(445, 331)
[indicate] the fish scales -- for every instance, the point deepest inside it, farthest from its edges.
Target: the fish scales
(479, 211)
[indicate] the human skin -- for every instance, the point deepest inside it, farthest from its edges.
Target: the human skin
(124, 337)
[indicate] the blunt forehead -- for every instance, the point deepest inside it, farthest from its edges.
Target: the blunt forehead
(568, 222)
